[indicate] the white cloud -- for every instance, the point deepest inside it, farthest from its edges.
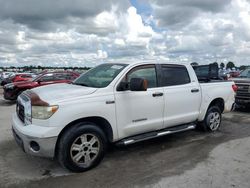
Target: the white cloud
(90, 32)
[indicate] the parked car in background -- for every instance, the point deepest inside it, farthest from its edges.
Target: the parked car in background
(243, 92)
(224, 74)
(5, 75)
(12, 90)
(234, 73)
(18, 77)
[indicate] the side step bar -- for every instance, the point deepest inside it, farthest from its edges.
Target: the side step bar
(155, 134)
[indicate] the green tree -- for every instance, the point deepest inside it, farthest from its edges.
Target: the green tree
(215, 63)
(243, 67)
(230, 65)
(194, 64)
(222, 65)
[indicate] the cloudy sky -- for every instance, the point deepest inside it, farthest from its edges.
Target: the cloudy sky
(90, 32)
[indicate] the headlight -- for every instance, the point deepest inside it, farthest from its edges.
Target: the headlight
(43, 112)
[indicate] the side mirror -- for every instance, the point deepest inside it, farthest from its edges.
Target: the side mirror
(138, 84)
(123, 86)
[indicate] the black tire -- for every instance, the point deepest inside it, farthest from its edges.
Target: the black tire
(212, 120)
(66, 153)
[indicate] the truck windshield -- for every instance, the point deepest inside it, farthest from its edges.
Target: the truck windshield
(100, 76)
(245, 74)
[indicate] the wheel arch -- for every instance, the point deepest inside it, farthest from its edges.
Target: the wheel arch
(218, 102)
(101, 122)
(215, 102)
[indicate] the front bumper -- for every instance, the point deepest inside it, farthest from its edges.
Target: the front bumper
(47, 145)
(242, 101)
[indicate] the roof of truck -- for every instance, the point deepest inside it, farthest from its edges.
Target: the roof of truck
(132, 62)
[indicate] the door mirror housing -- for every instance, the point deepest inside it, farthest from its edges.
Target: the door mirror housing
(123, 86)
(138, 84)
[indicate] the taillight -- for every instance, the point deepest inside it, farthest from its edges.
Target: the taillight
(235, 87)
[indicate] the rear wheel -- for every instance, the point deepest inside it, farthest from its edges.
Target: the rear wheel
(212, 120)
(82, 147)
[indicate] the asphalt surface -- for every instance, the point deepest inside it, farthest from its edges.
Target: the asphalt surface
(188, 159)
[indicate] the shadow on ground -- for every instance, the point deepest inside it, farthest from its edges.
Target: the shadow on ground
(4, 102)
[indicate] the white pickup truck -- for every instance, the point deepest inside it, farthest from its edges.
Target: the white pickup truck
(120, 103)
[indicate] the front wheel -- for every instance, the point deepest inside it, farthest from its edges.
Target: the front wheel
(212, 120)
(82, 147)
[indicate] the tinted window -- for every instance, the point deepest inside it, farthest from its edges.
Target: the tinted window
(245, 74)
(47, 78)
(174, 75)
(145, 72)
(210, 71)
(60, 76)
(202, 71)
(70, 76)
(26, 76)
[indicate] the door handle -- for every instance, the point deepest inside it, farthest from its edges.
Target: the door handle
(159, 94)
(195, 90)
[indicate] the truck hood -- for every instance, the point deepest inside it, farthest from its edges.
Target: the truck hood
(60, 92)
(241, 80)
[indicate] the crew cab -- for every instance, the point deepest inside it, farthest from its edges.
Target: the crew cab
(120, 103)
(243, 92)
(13, 90)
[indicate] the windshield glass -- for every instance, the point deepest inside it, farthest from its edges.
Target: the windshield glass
(100, 76)
(36, 77)
(245, 74)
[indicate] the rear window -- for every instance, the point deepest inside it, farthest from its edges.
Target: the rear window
(174, 75)
(64, 76)
(47, 77)
(26, 76)
(210, 71)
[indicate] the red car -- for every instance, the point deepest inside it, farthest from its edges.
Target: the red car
(12, 90)
(18, 77)
(22, 77)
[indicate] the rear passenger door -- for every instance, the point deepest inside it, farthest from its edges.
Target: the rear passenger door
(182, 96)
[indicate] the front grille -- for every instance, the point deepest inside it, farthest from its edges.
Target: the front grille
(243, 91)
(20, 111)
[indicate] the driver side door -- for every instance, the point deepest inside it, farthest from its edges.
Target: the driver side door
(140, 111)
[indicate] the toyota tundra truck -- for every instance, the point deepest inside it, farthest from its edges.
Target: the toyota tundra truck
(116, 103)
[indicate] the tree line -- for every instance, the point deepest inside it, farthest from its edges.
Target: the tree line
(222, 65)
(229, 65)
(31, 67)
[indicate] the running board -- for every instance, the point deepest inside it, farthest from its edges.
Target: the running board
(155, 134)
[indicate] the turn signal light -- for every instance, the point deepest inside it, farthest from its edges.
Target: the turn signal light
(235, 87)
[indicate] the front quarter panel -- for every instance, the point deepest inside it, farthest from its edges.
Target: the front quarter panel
(83, 108)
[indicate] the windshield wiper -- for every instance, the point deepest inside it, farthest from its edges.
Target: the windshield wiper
(80, 84)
